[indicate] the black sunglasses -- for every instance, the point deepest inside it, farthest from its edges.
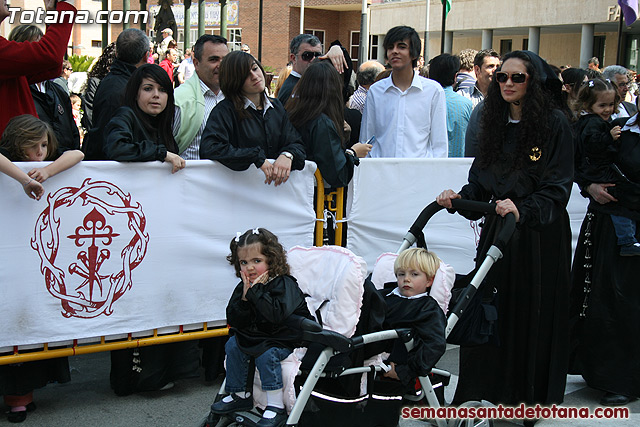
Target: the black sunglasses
(308, 56)
(516, 78)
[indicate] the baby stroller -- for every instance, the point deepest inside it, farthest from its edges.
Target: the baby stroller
(333, 343)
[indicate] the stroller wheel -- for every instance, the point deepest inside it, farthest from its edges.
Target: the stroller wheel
(475, 422)
(215, 420)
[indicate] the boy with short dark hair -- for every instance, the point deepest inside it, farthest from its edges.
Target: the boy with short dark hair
(405, 112)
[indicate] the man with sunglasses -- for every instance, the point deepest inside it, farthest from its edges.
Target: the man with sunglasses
(304, 49)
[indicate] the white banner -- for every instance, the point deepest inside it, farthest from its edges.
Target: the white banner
(387, 195)
(115, 248)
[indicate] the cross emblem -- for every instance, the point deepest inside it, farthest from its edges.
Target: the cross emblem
(94, 228)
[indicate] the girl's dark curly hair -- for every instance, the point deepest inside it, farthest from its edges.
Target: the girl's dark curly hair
(270, 248)
(534, 127)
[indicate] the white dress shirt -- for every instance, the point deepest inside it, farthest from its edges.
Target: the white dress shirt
(412, 123)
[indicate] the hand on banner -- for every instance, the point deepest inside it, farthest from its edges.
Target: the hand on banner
(39, 174)
(267, 169)
(176, 161)
(34, 189)
(281, 170)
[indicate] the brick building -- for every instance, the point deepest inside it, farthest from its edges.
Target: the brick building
(329, 19)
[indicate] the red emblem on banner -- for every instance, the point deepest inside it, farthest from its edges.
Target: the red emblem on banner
(94, 289)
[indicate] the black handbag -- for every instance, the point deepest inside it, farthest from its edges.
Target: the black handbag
(478, 324)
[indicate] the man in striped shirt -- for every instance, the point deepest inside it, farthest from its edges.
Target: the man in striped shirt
(196, 98)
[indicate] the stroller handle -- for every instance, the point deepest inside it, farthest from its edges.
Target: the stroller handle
(464, 205)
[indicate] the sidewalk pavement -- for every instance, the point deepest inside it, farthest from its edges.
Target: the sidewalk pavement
(88, 401)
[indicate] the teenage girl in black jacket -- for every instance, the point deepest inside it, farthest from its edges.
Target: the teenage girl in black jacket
(248, 127)
(141, 131)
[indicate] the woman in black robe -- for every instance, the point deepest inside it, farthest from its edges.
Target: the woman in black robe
(605, 296)
(525, 165)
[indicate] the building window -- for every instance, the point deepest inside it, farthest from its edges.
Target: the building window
(319, 34)
(96, 43)
(234, 39)
(355, 48)
(373, 46)
(598, 47)
(505, 46)
(525, 44)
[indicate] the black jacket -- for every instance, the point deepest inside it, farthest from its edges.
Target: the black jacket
(238, 144)
(287, 88)
(596, 150)
(425, 317)
(54, 107)
(258, 322)
(323, 146)
(128, 141)
(108, 99)
(88, 100)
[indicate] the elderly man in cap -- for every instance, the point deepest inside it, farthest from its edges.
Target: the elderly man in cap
(167, 36)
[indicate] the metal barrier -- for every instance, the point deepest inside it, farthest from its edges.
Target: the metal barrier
(334, 203)
(21, 356)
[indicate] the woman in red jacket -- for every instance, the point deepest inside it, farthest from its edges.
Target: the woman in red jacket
(25, 63)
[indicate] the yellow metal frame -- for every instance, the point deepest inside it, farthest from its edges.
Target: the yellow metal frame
(104, 345)
(205, 332)
(327, 199)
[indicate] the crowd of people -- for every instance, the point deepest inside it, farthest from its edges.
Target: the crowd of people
(532, 128)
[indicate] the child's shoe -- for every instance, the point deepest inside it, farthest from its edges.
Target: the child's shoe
(225, 406)
(277, 421)
(631, 249)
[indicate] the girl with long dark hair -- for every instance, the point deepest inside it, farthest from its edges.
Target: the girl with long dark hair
(317, 112)
(248, 127)
(525, 166)
(141, 130)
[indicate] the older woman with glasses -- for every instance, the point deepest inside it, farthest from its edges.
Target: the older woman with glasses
(525, 166)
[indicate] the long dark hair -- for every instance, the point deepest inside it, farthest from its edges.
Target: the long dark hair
(534, 123)
(318, 91)
(160, 125)
(234, 70)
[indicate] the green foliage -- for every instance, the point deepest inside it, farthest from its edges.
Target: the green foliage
(269, 69)
(80, 62)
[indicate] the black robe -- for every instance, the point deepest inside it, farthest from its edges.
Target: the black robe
(605, 341)
(425, 317)
(258, 323)
(532, 280)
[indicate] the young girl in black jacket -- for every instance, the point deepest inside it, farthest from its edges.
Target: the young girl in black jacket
(248, 127)
(259, 306)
